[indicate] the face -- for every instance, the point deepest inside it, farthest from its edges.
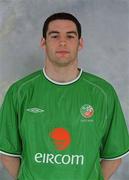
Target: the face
(61, 44)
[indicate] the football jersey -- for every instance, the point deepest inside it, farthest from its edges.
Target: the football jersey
(62, 130)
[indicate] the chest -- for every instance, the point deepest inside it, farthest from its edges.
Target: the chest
(65, 117)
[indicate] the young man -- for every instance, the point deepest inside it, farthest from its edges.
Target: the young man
(60, 122)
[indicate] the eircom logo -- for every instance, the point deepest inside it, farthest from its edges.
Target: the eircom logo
(61, 139)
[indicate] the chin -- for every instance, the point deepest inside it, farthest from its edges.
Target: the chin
(63, 64)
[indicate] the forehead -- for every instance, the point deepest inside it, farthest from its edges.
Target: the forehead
(62, 25)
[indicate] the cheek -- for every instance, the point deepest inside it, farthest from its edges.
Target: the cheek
(74, 46)
(48, 48)
(51, 46)
(74, 49)
(50, 52)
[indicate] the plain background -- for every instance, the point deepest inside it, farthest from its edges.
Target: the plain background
(105, 25)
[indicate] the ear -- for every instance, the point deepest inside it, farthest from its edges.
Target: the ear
(81, 43)
(42, 43)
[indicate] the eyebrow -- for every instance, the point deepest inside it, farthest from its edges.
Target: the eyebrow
(53, 32)
(57, 32)
(72, 32)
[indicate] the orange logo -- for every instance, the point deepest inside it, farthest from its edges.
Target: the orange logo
(61, 138)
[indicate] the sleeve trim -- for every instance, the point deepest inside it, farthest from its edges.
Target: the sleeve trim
(9, 154)
(118, 157)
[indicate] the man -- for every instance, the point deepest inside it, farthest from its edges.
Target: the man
(62, 123)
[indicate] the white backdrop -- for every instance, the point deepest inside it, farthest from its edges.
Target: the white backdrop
(105, 27)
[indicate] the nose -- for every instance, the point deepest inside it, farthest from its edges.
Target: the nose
(62, 41)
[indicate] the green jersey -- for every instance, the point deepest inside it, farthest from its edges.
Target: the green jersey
(62, 130)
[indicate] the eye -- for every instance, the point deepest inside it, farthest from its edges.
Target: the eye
(54, 36)
(70, 36)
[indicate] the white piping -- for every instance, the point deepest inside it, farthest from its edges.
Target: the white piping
(116, 157)
(8, 154)
(62, 83)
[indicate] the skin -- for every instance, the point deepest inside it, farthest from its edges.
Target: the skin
(61, 48)
(12, 164)
(109, 167)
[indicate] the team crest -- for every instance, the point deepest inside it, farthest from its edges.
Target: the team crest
(87, 111)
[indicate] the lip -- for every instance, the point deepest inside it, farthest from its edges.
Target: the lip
(62, 52)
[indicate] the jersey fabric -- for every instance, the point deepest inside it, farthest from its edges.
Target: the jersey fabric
(62, 130)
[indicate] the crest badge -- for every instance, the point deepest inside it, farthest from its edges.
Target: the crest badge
(87, 111)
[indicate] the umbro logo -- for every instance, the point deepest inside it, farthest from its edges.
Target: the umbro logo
(35, 110)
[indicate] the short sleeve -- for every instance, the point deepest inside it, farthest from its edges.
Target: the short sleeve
(10, 142)
(115, 143)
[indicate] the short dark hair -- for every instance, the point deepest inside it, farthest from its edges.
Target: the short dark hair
(63, 16)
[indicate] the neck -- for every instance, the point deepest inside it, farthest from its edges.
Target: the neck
(62, 74)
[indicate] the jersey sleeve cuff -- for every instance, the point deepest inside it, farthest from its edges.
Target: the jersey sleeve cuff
(117, 157)
(10, 154)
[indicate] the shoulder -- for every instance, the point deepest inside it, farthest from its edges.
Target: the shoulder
(98, 83)
(26, 81)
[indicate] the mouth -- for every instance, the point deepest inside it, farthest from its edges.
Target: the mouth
(63, 52)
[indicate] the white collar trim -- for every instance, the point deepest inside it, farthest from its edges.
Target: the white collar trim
(62, 83)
